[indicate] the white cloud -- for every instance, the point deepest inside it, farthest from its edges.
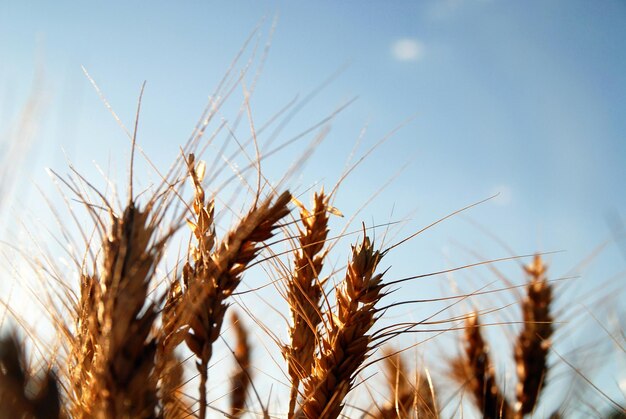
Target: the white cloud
(407, 49)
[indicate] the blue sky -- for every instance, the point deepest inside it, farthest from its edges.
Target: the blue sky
(522, 98)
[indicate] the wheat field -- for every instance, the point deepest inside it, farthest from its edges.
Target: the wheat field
(153, 315)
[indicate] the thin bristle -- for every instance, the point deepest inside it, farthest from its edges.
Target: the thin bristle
(400, 400)
(533, 344)
(241, 379)
(345, 346)
(476, 371)
(304, 292)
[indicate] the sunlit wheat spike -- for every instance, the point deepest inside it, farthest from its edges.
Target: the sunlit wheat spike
(112, 351)
(213, 273)
(304, 291)
(345, 345)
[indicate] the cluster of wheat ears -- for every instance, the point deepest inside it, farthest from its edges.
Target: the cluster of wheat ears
(126, 332)
(122, 358)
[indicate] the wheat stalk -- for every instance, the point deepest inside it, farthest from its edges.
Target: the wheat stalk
(345, 346)
(476, 371)
(533, 343)
(168, 368)
(113, 352)
(304, 291)
(214, 275)
(82, 344)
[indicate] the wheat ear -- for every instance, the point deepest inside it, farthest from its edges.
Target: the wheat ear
(113, 351)
(477, 372)
(533, 343)
(213, 275)
(304, 292)
(346, 345)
